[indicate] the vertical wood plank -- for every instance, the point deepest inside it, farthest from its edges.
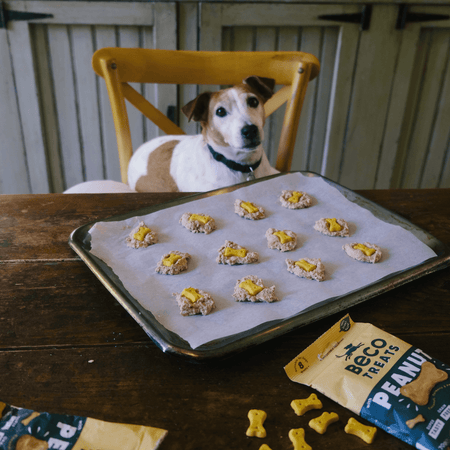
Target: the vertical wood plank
(28, 99)
(87, 94)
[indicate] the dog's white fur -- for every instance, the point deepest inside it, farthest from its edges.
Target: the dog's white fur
(184, 163)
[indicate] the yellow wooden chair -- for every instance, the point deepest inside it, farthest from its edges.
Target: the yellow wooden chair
(121, 66)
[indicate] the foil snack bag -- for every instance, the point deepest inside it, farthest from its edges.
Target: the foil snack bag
(24, 429)
(390, 383)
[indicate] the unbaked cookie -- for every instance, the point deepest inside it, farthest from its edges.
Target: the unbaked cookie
(194, 301)
(198, 223)
(285, 240)
(173, 263)
(332, 227)
(251, 289)
(295, 199)
(141, 236)
(363, 252)
(231, 253)
(248, 210)
(311, 268)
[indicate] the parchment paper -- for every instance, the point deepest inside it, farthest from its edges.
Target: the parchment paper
(136, 267)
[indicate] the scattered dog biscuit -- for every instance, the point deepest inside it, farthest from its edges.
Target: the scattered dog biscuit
(321, 423)
(284, 241)
(28, 442)
(295, 199)
(413, 422)
(363, 252)
(248, 210)
(420, 389)
(257, 418)
(141, 236)
(332, 227)
(302, 406)
(297, 437)
(231, 253)
(173, 263)
(251, 288)
(311, 268)
(264, 447)
(364, 432)
(194, 301)
(198, 223)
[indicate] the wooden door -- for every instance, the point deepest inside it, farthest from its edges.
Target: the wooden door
(59, 129)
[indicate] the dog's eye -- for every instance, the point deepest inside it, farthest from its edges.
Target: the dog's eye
(253, 102)
(221, 112)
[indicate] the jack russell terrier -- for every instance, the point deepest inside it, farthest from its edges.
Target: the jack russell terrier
(228, 151)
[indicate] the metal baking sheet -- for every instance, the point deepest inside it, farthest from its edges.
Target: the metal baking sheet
(170, 342)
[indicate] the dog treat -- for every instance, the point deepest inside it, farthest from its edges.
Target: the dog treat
(321, 423)
(332, 227)
(285, 240)
(248, 210)
(173, 263)
(302, 406)
(141, 237)
(311, 268)
(264, 447)
(198, 223)
(381, 378)
(24, 429)
(231, 253)
(251, 289)
(364, 432)
(363, 252)
(295, 199)
(194, 301)
(419, 390)
(411, 423)
(257, 418)
(297, 437)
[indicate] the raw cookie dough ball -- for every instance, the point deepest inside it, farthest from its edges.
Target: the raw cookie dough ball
(248, 210)
(295, 199)
(231, 253)
(332, 227)
(194, 301)
(198, 223)
(173, 263)
(141, 237)
(311, 268)
(366, 252)
(285, 240)
(251, 289)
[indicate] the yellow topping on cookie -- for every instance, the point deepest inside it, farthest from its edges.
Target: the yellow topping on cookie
(141, 233)
(366, 250)
(283, 237)
(249, 207)
(295, 197)
(305, 265)
(171, 259)
(250, 287)
(333, 225)
(191, 294)
(199, 218)
(241, 252)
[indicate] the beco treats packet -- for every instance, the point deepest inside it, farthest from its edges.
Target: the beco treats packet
(390, 383)
(24, 429)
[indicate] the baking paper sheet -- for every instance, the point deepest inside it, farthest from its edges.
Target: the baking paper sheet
(136, 267)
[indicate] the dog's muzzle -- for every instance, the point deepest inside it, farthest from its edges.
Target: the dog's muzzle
(250, 135)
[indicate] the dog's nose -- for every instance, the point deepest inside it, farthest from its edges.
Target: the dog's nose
(250, 131)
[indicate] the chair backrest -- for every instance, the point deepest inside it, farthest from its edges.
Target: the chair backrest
(121, 66)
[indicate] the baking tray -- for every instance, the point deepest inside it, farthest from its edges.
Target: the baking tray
(170, 342)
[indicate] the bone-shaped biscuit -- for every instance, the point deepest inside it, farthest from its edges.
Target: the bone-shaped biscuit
(413, 422)
(28, 419)
(264, 447)
(364, 432)
(321, 423)
(302, 406)
(420, 389)
(297, 437)
(257, 418)
(28, 442)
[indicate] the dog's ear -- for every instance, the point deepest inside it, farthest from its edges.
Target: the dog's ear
(197, 109)
(263, 86)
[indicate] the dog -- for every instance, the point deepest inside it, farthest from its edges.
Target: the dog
(228, 150)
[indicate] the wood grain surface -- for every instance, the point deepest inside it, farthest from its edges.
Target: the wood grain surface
(67, 346)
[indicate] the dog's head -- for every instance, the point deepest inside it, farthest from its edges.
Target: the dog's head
(233, 117)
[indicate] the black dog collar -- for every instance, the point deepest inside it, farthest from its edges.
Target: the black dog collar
(245, 168)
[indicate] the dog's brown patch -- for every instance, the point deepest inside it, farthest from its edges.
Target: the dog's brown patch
(158, 178)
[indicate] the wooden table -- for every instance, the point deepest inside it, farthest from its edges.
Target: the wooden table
(66, 345)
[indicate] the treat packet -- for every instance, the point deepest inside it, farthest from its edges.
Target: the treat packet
(24, 429)
(392, 384)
